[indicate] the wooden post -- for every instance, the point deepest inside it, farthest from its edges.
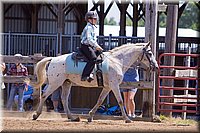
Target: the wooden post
(170, 46)
(34, 18)
(61, 24)
(101, 18)
(135, 18)
(122, 7)
(82, 10)
(122, 31)
(150, 35)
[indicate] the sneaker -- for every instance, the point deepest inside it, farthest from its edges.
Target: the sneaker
(129, 115)
(21, 110)
(89, 79)
(133, 115)
(56, 110)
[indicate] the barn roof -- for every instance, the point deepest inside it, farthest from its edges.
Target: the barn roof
(114, 30)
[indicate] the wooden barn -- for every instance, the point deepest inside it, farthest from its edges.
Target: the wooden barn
(52, 29)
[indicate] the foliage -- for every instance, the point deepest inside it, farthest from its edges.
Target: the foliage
(190, 17)
(128, 21)
(110, 22)
(141, 23)
(162, 20)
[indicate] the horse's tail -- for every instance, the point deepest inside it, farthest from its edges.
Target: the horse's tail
(40, 71)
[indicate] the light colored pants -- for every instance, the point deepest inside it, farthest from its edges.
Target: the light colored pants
(14, 89)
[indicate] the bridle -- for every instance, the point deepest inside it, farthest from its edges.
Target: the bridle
(145, 52)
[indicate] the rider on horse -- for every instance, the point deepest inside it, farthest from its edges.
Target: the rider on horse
(89, 46)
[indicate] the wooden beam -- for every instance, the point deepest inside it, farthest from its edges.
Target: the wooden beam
(51, 10)
(135, 19)
(17, 79)
(20, 59)
(95, 6)
(129, 15)
(101, 18)
(144, 85)
(143, 12)
(181, 9)
(8, 8)
(122, 7)
(108, 9)
(69, 9)
(197, 4)
(67, 6)
(60, 25)
(34, 18)
(81, 11)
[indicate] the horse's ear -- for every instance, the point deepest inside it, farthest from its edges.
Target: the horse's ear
(148, 44)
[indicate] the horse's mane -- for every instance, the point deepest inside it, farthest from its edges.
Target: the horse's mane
(124, 46)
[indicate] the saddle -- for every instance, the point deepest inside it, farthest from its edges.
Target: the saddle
(79, 57)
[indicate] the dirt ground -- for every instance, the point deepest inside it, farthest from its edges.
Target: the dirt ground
(20, 124)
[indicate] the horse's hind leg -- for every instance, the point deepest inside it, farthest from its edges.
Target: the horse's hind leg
(100, 100)
(66, 88)
(45, 95)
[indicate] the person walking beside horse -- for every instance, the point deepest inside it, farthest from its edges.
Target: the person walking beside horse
(89, 45)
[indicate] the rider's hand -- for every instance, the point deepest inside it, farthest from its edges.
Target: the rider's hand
(99, 48)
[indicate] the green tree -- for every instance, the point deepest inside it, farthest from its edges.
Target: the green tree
(162, 20)
(111, 21)
(128, 21)
(141, 23)
(190, 17)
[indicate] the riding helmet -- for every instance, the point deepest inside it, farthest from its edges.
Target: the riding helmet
(90, 15)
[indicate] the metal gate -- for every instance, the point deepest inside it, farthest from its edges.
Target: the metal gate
(181, 96)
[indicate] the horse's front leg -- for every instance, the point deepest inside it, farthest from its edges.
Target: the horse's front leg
(100, 100)
(116, 91)
(45, 95)
(66, 88)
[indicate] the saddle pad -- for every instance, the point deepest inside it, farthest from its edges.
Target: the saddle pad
(72, 68)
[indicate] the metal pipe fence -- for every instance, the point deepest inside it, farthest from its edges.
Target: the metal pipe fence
(53, 44)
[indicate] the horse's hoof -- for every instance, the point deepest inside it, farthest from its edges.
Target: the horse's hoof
(35, 116)
(89, 119)
(76, 119)
(128, 121)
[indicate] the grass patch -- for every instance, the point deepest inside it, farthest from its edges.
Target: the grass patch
(178, 121)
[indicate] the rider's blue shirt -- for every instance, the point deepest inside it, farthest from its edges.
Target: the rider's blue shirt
(89, 35)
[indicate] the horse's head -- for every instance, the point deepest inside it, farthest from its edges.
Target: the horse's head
(147, 58)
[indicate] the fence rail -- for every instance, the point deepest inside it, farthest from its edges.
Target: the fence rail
(53, 44)
(186, 74)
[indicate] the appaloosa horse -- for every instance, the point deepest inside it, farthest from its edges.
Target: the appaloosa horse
(62, 72)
